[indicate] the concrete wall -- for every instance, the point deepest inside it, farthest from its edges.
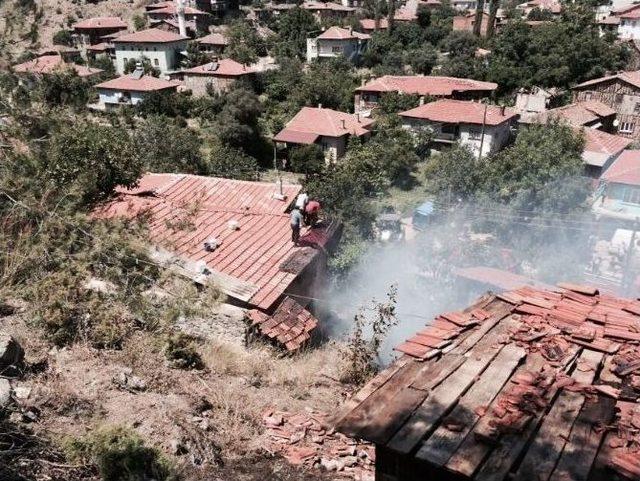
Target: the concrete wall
(163, 56)
(320, 48)
(629, 29)
(113, 98)
(469, 135)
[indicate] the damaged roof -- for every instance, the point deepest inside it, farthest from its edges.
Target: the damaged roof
(256, 262)
(529, 384)
(48, 64)
(426, 85)
(625, 169)
(578, 114)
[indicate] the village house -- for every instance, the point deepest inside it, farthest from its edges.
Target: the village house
(536, 100)
(628, 22)
(214, 43)
(324, 11)
(552, 6)
(338, 42)
(621, 92)
(588, 113)
(369, 94)
(50, 64)
(173, 26)
(531, 383)
(163, 49)
(466, 23)
(91, 31)
(200, 19)
(330, 129)
(484, 129)
(618, 196)
(235, 235)
(369, 25)
(215, 76)
(130, 90)
(464, 5)
(601, 150)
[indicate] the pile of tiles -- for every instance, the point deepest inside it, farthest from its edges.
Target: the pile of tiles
(305, 439)
(289, 327)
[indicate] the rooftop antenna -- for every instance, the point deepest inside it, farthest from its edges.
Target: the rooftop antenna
(182, 28)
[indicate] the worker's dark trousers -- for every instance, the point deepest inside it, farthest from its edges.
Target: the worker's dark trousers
(295, 233)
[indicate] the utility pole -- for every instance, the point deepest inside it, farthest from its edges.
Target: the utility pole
(627, 282)
(484, 122)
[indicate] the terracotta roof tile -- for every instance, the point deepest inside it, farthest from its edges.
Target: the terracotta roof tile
(579, 114)
(146, 83)
(224, 67)
(252, 254)
(325, 122)
(625, 170)
(150, 35)
(213, 39)
(51, 63)
(338, 33)
(171, 10)
(370, 24)
(632, 78)
(100, 22)
(426, 85)
(460, 111)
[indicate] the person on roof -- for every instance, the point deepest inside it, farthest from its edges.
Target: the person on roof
(302, 200)
(296, 220)
(311, 212)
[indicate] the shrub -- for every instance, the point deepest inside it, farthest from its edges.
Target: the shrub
(63, 37)
(121, 455)
(180, 351)
(232, 163)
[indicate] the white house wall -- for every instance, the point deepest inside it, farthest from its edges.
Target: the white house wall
(162, 56)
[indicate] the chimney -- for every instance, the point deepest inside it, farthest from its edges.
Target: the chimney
(350, 30)
(502, 109)
(344, 124)
(182, 27)
(319, 106)
(358, 117)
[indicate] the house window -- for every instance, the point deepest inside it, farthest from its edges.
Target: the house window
(155, 62)
(631, 195)
(475, 134)
(627, 127)
(619, 98)
(636, 109)
(588, 95)
(336, 49)
(126, 60)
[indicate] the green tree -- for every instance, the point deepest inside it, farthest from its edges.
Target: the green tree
(422, 60)
(293, 28)
(92, 159)
(307, 159)
(230, 163)
(139, 22)
(178, 152)
(195, 57)
(64, 88)
(169, 104)
(245, 46)
(148, 68)
(63, 37)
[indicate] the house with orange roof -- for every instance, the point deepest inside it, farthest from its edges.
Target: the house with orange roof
(619, 194)
(215, 76)
(466, 23)
(130, 90)
(484, 129)
(552, 6)
(199, 18)
(162, 48)
(50, 64)
(338, 42)
(235, 235)
(620, 92)
(323, 11)
(601, 150)
(369, 94)
(214, 43)
(91, 30)
(589, 113)
(328, 128)
(628, 22)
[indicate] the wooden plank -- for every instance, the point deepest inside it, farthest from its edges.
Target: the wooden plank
(580, 451)
(543, 453)
(473, 451)
(369, 388)
(607, 374)
(433, 374)
(442, 398)
(381, 409)
(443, 443)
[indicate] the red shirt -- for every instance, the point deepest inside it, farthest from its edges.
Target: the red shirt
(312, 207)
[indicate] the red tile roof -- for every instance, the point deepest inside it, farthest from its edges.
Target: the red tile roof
(171, 10)
(606, 143)
(336, 7)
(222, 68)
(630, 12)
(460, 111)
(370, 24)
(625, 169)
(47, 64)
(256, 254)
(579, 113)
(146, 83)
(290, 326)
(338, 33)
(100, 47)
(213, 39)
(151, 35)
(519, 384)
(311, 121)
(632, 78)
(499, 278)
(96, 23)
(426, 85)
